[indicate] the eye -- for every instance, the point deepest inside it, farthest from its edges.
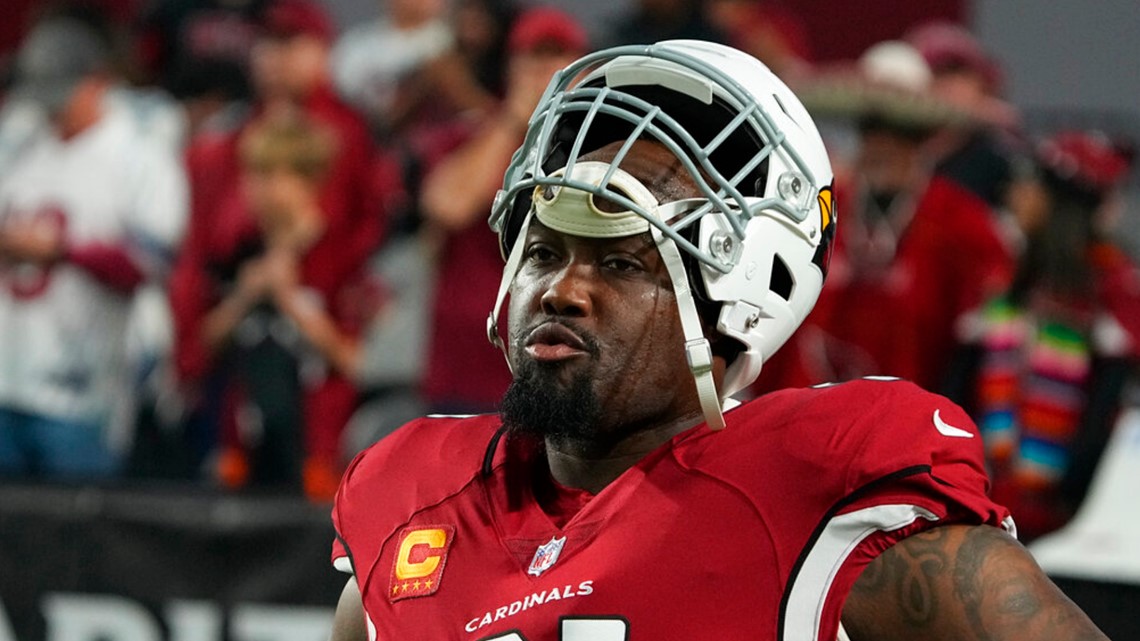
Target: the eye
(622, 263)
(540, 253)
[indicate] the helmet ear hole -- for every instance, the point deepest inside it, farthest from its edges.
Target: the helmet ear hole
(781, 282)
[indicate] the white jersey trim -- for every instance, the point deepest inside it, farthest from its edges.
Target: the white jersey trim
(343, 564)
(811, 588)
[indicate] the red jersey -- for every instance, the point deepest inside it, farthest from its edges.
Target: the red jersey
(754, 532)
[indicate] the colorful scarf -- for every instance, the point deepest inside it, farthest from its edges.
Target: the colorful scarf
(1031, 390)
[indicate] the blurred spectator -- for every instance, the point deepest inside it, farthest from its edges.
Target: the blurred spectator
(965, 76)
(464, 85)
(467, 79)
(775, 35)
(480, 28)
(458, 89)
(371, 62)
(654, 20)
(1046, 361)
(464, 373)
(913, 248)
(276, 335)
(91, 209)
(291, 78)
(153, 111)
(199, 51)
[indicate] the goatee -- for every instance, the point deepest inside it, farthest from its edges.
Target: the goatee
(537, 404)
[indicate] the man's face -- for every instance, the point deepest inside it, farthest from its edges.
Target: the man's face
(887, 161)
(288, 67)
(962, 87)
(595, 336)
(413, 13)
(280, 197)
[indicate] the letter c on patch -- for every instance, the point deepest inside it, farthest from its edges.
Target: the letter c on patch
(427, 561)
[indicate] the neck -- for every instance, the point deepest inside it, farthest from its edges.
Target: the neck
(592, 465)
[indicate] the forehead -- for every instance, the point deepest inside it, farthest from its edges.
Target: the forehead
(654, 166)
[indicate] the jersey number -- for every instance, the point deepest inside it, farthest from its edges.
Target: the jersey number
(581, 629)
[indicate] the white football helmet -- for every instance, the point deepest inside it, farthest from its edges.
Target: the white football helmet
(759, 240)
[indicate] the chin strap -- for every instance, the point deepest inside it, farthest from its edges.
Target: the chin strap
(697, 349)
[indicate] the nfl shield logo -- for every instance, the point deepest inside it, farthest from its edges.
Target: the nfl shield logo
(545, 556)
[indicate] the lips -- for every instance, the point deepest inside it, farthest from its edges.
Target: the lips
(553, 341)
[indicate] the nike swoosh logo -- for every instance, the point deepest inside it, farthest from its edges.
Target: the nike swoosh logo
(945, 429)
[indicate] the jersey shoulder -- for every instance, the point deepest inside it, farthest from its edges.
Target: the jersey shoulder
(421, 462)
(842, 416)
(418, 465)
(839, 435)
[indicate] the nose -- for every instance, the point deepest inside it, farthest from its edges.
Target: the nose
(569, 292)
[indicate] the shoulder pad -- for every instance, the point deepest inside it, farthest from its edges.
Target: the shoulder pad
(416, 466)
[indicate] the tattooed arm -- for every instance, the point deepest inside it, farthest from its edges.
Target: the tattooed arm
(961, 582)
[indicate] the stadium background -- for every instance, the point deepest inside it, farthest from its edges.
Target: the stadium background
(184, 564)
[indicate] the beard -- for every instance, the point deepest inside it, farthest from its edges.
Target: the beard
(537, 404)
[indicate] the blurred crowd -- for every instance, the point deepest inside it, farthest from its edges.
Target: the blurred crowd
(975, 258)
(239, 243)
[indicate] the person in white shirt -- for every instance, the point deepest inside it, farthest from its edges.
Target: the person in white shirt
(90, 211)
(369, 62)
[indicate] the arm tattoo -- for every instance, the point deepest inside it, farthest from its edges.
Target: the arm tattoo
(1008, 597)
(972, 583)
(905, 577)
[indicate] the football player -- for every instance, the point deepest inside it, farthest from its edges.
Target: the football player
(666, 226)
